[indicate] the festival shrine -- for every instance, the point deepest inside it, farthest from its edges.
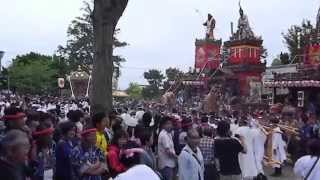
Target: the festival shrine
(235, 64)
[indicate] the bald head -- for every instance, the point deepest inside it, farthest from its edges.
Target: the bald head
(192, 133)
(193, 139)
(15, 146)
(14, 138)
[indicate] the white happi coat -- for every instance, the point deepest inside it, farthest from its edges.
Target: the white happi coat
(259, 139)
(191, 165)
(247, 160)
(278, 147)
(304, 165)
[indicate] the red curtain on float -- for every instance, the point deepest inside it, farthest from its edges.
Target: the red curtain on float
(248, 54)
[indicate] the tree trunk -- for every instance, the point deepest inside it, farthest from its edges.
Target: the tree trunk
(105, 16)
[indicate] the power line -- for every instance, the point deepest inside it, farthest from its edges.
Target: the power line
(142, 68)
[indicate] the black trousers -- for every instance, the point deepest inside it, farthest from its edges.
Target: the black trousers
(210, 172)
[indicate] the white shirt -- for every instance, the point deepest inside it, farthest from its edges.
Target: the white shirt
(233, 128)
(2, 111)
(128, 120)
(74, 107)
(139, 115)
(138, 172)
(191, 165)
(304, 165)
(165, 142)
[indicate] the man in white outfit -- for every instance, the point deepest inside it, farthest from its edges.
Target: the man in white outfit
(247, 160)
(139, 114)
(191, 164)
(259, 139)
(166, 153)
(278, 148)
(308, 167)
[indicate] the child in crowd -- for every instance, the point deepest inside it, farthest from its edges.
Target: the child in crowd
(100, 122)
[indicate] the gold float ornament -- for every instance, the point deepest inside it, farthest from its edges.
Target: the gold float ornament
(79, 83)
(268, 131)
(289, 129)
(268, 161)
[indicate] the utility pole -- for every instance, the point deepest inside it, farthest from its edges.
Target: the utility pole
(1, 56)
(8, 82)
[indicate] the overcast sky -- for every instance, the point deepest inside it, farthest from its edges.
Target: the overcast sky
(161, 33)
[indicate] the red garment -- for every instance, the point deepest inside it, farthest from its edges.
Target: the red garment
(113, 157)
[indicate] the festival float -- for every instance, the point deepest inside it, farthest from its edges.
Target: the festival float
(79, 82)
(245, 60)
(80, 85)
(232, 68)
(303, 83)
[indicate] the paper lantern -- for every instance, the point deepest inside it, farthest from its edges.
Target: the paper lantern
(61, 82)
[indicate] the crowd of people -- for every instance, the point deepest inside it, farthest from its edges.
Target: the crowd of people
(44, 138)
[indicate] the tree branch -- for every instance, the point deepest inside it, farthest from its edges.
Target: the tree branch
(118, 7)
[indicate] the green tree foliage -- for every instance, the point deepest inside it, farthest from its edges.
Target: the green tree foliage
(173, 74)
(4, 78)
(151, 92)
(79, 49)
(276, 61)
(282, 59)
(135, 91)
(291, 39)
(34, 73)
(155, 79)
